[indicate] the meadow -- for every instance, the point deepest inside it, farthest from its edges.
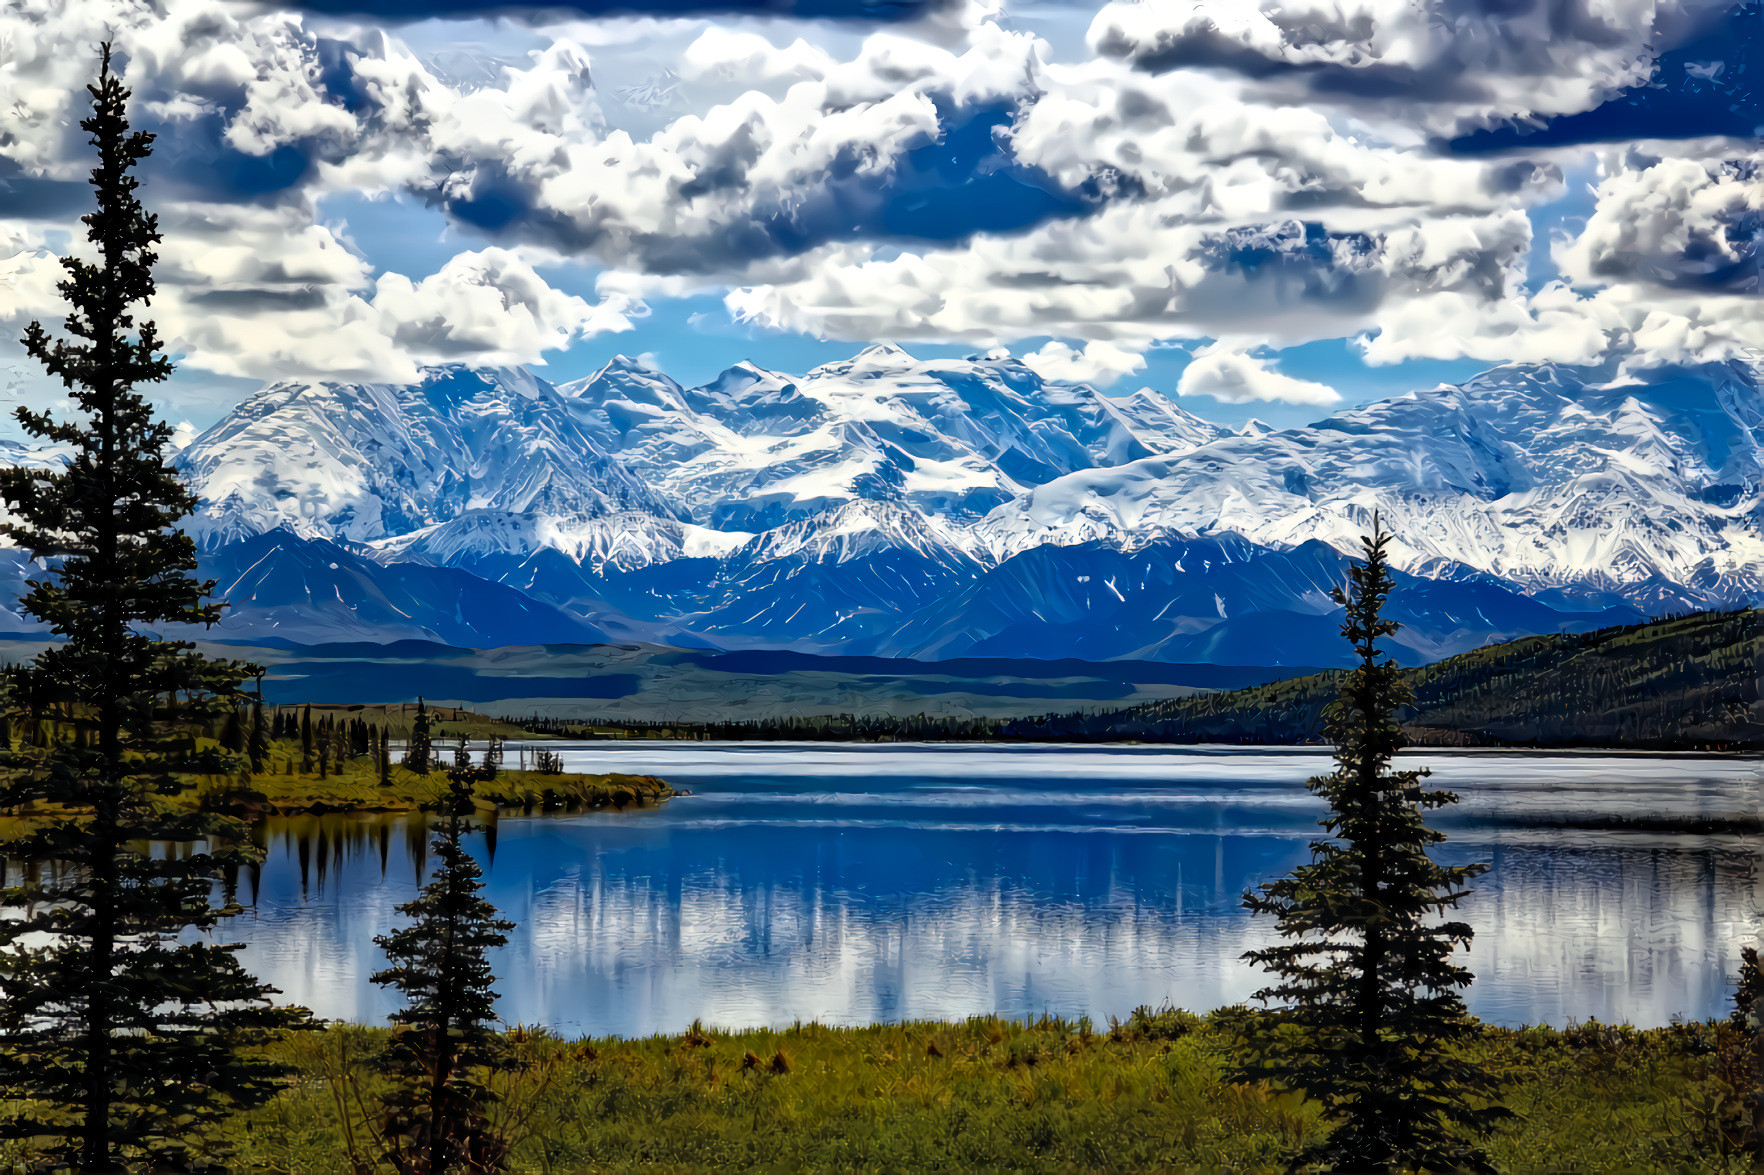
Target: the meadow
(990, 1094)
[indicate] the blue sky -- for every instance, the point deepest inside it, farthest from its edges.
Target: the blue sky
(1275, 210)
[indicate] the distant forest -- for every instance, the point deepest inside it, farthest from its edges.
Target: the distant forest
(1683, 683)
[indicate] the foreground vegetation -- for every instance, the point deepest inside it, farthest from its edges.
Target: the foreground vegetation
(994, 1094)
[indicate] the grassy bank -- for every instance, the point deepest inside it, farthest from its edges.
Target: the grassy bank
(356, 787)
(991, 1094)
(353, 785)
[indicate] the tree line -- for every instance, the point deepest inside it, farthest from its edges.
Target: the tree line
(1689, 682)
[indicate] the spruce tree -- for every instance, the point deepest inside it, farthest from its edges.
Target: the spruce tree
(385, 756)
(120, 1040)
(232, 735)
(306, 739)
(417, 755)
(1366, 1008)
(259, 744)
(445, 1038)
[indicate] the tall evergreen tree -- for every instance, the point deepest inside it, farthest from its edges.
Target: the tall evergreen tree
(1366, 1002)
(440, 965)
(306, 739)
(120, 1041)
(418, 755)
(232, 735)
(386, 756)
(258, 748)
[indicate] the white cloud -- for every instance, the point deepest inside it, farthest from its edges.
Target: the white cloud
(1236, 377)
(1100, 363)
(1440, 64)
(1252, 202)
(728, 55)
(1678, 222)
(487, 307)
(29, 273)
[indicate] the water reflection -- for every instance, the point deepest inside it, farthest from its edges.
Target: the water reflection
(926, 887)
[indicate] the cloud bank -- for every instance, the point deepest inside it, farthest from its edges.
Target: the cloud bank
(1257, 174)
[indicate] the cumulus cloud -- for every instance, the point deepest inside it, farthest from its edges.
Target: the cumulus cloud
(1682, 223)
(830, 10)
(487, 307)
(755, 178)
(1226, 169)
(1098, 362)
(1133, 274)
(481, 308)
(1237, 377)
(29, 273)
(1451, 64)
(732, 55)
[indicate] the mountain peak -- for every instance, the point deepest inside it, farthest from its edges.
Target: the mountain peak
(881, 357)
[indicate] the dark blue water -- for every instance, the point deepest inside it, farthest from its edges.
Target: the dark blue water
(851, 884)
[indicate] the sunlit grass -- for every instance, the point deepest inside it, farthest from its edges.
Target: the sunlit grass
(354, 786)
(990, 1094)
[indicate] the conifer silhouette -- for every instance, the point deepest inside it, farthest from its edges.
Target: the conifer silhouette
(418, 755)
(1366, 1005)
(258, 748)
(119, 1041)
(440, 964)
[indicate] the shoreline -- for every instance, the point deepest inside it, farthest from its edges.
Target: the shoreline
(510, 791)
(1316, 748)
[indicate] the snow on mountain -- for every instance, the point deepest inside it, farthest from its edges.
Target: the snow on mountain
(1652, 489)
(754, 449)
(894, 506)
(361, 462)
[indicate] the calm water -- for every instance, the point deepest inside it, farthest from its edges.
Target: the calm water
(857, 883)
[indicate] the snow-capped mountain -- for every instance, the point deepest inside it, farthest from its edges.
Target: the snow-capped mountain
(1651, 489)
(360, 462)
(755, 449)
(894, 506)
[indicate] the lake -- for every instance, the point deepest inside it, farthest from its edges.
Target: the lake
(852, 883)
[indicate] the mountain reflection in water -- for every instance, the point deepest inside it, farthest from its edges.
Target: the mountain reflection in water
(854, 884)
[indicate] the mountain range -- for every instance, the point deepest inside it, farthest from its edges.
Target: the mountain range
(895, 507)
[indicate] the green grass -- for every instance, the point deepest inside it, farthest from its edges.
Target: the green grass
(988, 1094)
(354, 786)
